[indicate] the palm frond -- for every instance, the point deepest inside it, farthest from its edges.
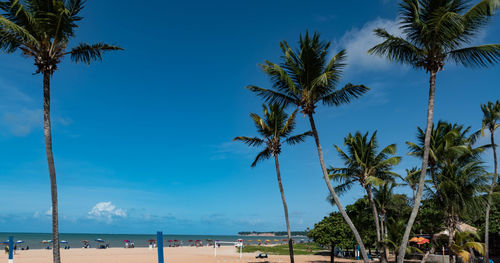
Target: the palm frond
(344, 95)
(272, 96)
(254, 142)
(265, 154)
(88, 53)
(396, 49)
(298, 138)
(16, 32)
(479, 56)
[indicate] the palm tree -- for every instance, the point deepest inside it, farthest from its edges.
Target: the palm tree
(274, 127)
(464, 243)
(365, 166)
(383, 196)
(41, 30)
(436, 32)
(306, 78)
(411, 180)
(491, 113)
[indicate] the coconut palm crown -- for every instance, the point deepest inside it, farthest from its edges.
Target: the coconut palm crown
(275, 128)
(439, 31)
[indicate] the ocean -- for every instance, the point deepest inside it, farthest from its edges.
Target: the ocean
(33, 240)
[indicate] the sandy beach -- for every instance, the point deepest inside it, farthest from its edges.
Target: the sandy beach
(145, 255)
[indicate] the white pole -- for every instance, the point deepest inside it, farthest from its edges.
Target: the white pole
(215, 249)
(241, 248)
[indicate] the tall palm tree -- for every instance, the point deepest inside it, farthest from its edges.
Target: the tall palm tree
(275, 128)
(305, 78)
(491, 115)
(436, 32)
(365, 166)
(42, 29)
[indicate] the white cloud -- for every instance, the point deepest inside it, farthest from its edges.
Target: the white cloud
(23, 121)
(106, 211)
(359, 40)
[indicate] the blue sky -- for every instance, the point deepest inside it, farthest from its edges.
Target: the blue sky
(143, 141)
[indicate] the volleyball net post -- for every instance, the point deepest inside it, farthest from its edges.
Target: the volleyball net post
(237, 244)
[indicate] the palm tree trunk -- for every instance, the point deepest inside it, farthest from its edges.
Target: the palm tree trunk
(332, 191)
(52, 169)
(425, 159)
(332, 253)
(488, 205)
(290, 241)
(375, 219)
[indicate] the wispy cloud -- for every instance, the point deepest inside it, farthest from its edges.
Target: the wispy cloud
(20, 113)
(359, 40)
(227, 149)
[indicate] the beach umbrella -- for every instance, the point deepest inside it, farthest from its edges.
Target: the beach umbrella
(152, 240)
(422, 241)
(99, 240)
(190, 240)
(258, 240)
(85, 241)
(240, 240)
(276, 240)
(126, 241)
(268, 240)
(46, 241)
(250, 240)
(5, 242)
(414, 239)
(64, 242)
(19, 242)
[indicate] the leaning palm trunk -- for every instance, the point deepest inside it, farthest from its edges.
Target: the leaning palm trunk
(375, 219)
(425, 159)
(290, 241)
(52, 169)
(488, 205)
(332, 191)
(374, 211)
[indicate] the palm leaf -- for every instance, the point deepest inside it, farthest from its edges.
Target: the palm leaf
(344, 95)
(88, 53)
(479, 56)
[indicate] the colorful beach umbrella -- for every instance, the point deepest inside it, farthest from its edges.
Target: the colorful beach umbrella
(85, 241)
(152, 240)
(126, 241)
(250, 240)
(414, 239)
